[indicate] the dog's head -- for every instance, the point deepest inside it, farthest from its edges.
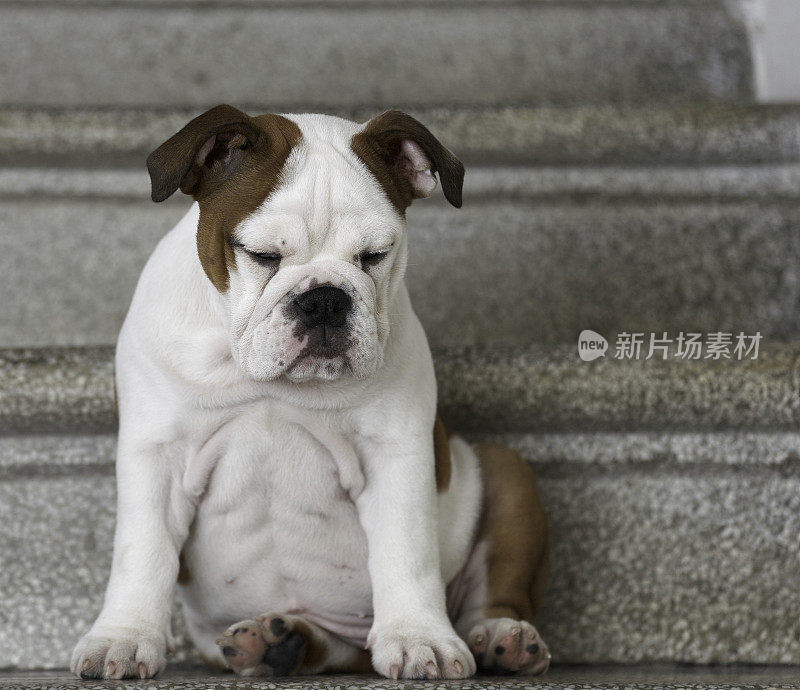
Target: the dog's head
(302, 229)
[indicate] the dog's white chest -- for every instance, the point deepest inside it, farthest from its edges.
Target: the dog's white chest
(277, 531)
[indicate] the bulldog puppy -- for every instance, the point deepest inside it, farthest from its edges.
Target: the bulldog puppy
(279, 452)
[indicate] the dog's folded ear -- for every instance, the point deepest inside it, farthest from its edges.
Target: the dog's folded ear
(403, 155)
(206, 152)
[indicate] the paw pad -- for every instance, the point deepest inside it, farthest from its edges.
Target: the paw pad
(267, 645)
(503, 645)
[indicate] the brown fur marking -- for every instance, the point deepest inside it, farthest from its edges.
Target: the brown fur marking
(230, 180)
(441, 451)
(361, 662)
(378, 146)
(514, 524)
(314, 651)
(316, 655)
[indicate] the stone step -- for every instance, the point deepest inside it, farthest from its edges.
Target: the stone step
(541, 389)
(647, 134)
(370, 53)
(672, 488)
(643, 677)
(686, 557)
(564, 249)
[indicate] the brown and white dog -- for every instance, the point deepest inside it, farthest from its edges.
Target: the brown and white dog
(279, 451)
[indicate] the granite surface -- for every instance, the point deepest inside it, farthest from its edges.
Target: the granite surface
(652, 561)
(559, 260)
(558, 678)
(616, 134)
(167, 55)
(57, 389)
(543, 388)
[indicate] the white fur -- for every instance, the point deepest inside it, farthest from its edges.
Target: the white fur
(290, 486)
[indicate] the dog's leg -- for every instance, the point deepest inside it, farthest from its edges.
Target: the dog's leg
(412, 636)
(507, 571)
(131, 635)
(280, 644)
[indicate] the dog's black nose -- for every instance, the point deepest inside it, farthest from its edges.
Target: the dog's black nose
(323, 305)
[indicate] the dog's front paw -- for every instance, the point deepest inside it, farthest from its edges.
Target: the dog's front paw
(404, 651)
(119, 653)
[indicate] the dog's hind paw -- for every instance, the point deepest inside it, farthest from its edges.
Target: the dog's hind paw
(270, 645)
(505, 645)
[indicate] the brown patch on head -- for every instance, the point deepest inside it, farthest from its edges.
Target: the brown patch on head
(229, 163)
(514, 525)
(379, 146)
(441, 452)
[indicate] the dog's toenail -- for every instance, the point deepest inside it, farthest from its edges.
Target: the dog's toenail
(532, 648)
(111, 668)
(499, 649)
(142, 670)
(430, 667)
(86, 665)
(229, 651)
(277, 626)
(459, 668)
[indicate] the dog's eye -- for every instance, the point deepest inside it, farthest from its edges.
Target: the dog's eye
(369, 259)
(266, 258)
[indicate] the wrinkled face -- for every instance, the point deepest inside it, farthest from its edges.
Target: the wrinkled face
(316, 266)
(302, 229)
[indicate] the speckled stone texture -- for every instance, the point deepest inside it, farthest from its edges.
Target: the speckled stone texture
(614, 246)
(57, 389)
(650, 134)
(653, 558)
(543, 388)
(512, 53)
(558, 678)
(642, 260)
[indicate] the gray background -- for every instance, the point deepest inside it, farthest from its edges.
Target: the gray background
(633, 165)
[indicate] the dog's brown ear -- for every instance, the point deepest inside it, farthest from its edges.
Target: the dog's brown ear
(203, 154)
(403, 155)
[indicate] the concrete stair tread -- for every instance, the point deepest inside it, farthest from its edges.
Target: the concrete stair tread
(647, 263)
(651, 560)
(731, 182)
(558, 678)
(655, 247)
(649, 134)
(674, 543)
(511, 52)
(541, 388)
